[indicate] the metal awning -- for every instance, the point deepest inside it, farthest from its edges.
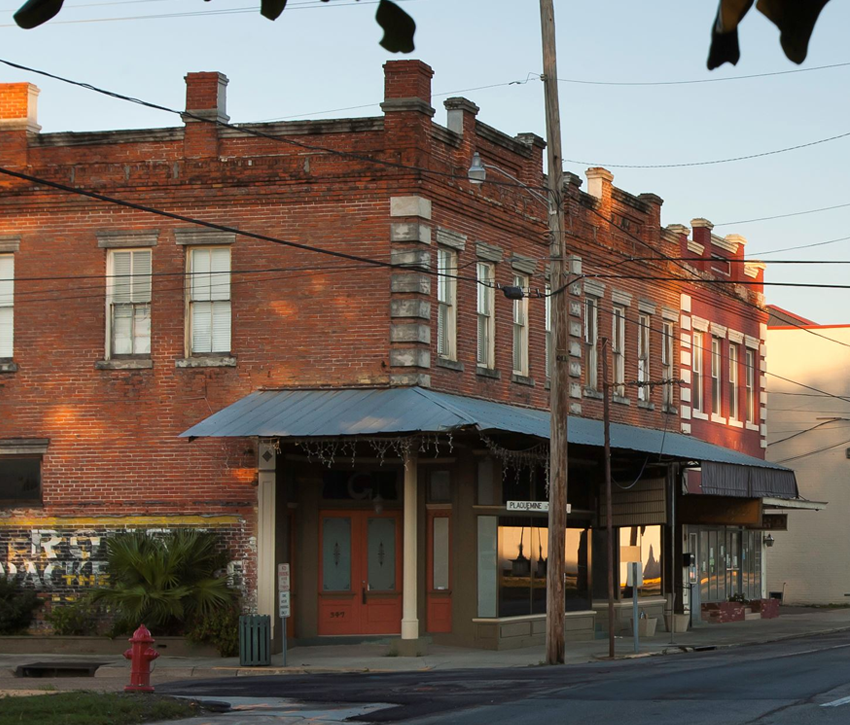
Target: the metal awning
(771, 503)
(385, 411)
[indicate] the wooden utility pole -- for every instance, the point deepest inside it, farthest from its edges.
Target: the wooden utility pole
(609, 507)
(559, 374)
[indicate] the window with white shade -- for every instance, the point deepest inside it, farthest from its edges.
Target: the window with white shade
(549, 339)
(128, 302)
(520, 327)
(7, 305)
(751, 386)
(209, 300)
(446, 304)
(618, 347)
(716, 377)
(734, 412)
(644, 325)
(591, 339)
(667, 361)
(486, 317)
(697, 379)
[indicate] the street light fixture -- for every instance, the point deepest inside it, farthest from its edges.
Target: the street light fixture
(477, 171)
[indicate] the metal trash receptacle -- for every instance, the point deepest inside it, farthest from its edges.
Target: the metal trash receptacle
(255, 640)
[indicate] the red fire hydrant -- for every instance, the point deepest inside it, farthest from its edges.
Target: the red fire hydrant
(140, 656)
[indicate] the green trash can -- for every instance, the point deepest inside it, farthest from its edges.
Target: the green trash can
(255, 640)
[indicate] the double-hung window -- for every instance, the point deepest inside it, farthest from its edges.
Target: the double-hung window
(734, 412)
(644, 326)
(7, 305)
(446, 304)
(549, 339)
(751, 386)
(209, 300)
(486, 317)
(667, 361)
(716, 377)
(618, 335)
(697, 379)
(591, 340)
(520, 328)
(128, 302)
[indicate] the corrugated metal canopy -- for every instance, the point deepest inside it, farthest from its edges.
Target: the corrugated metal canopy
(370, 412)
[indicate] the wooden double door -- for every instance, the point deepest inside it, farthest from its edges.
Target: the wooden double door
(360, 572)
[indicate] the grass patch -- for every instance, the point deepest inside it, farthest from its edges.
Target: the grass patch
(92, 708)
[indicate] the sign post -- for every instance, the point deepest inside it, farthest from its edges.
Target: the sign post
(284, 606)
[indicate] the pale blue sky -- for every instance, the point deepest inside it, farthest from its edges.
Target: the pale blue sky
(321, 56)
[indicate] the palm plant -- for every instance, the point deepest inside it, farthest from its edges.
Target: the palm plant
(164, 582)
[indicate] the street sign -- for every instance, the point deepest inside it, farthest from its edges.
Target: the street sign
(283, 604)
(532, 506)
(283, 577)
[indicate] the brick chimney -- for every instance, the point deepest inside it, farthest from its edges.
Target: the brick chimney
(18, 121)
(702, 236)
(407, 109)
(206, 98)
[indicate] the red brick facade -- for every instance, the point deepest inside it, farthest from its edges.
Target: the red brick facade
(300, 318)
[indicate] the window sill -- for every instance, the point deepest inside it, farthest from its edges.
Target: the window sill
(443, 362)
(672, 409)
(718, 419)
(590, 393)
(7, 366)
(646, 405)
(735, 423)
(699, 415)
(124, 364)
(488, 373)
(621, 400)
(522, 380)
(752, 426)
(206, 361)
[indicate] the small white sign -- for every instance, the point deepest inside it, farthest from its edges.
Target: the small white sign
(532, 506)
(283, 604)
(283, 577)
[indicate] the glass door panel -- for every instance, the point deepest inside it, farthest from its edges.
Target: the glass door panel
(336, 554)
(381, 555)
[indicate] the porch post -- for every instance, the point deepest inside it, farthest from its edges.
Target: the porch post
(266, 531)
(409, 618)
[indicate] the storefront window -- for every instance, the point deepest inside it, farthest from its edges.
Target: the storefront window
(523, 555)
(648, 538)
(360, 485)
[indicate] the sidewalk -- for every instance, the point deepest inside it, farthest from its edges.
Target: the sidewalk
(794, 622)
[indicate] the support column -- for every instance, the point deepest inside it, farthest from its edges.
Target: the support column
(409, 618)
(266, 524)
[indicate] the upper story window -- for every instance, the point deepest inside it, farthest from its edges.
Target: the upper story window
(716, 377)
(734, 405)
(697, 380)
(128, 302)
(644, 326)
(751, 385)
(446, 304)
(7, 305)
(20, 471)
(667, 361)
(591, 341)
(520, 328)
(548, 322)
(209, 300)
(486, 317)
(618, 335)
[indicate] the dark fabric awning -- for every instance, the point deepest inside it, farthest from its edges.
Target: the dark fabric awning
(723, 479)
(371, 412)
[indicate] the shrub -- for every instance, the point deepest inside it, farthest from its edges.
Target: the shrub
(219, 628)
(164, 582)
(17, 607)
(76, 619)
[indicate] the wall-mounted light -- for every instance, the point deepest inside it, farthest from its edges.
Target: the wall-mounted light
(477, 173)
(769, 540)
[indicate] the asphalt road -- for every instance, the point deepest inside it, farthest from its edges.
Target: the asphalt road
(788, 683)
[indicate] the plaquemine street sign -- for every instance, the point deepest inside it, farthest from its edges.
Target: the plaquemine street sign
(531, 506)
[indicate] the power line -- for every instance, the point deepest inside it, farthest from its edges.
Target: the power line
(811, 453)
(783, 216)
(701, 80)
(800, 246)
(712, 162)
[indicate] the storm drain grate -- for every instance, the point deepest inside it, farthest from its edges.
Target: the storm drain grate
(58, 669)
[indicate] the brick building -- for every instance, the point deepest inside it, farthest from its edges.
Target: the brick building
(294, 334)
